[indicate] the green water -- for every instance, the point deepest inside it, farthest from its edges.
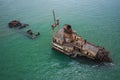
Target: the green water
(21, 58)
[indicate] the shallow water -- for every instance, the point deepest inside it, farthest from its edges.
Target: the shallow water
(24, 59)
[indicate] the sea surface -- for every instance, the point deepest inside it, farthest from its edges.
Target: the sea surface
(22, 58)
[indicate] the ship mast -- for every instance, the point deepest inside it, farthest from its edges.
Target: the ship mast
(56, 22)
(54, 17)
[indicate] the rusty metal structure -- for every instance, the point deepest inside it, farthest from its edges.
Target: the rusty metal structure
(17, 24)
(68, 42)
(32, 35)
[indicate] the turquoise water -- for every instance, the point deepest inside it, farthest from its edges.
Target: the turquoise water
(21, 58)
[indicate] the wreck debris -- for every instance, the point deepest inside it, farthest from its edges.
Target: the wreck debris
(32, 35)
(16, 24)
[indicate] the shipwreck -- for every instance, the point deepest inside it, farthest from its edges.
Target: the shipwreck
(17, 24)
(69, 43)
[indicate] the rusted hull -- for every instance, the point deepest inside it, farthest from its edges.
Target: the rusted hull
(17, 24)
(59, 49)
(100, 57)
